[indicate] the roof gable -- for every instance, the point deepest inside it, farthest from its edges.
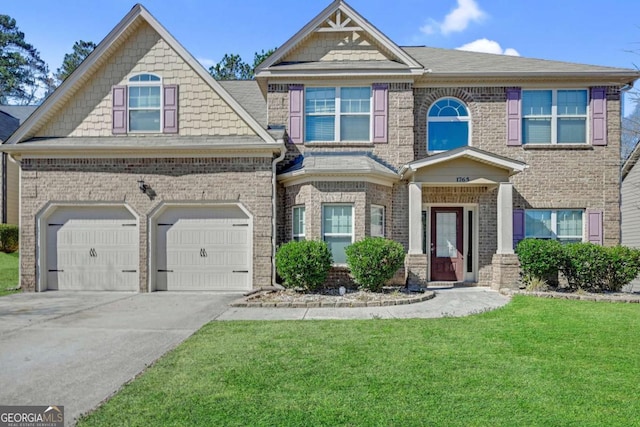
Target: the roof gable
(338, 33)
(136, 21)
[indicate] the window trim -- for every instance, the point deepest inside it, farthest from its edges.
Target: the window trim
(353, 228)
(160, 108)
(384, 217)
(337, 114)
(554, 224)
(554, 116)
(467, 119)
(299, 236)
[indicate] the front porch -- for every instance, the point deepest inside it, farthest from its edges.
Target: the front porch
(461, 219)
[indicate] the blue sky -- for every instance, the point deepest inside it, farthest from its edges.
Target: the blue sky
(580, 31)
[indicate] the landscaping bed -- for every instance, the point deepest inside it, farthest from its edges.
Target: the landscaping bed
(288, 298)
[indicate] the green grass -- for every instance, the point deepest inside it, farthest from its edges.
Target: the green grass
(8, 272)
(535, 362)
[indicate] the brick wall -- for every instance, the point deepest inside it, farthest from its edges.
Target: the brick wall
(557, 177)
(243, 180)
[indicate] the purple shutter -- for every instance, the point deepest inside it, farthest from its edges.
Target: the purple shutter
(514, 117)
(380, 112)
(598, 116)
(119, 110)
(594, 226)
(296, 113)
(518, 226)
(170, 109)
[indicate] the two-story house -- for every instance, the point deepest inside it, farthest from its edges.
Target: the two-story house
(141, 172)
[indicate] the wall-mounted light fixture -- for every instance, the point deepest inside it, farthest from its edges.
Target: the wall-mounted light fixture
(142, 186)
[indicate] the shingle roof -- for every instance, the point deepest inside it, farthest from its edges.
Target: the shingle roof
(350, 163)
(11, 116)
(249, 96)
(8, 124)
(631, 161)
(20, 112)
(451, 61)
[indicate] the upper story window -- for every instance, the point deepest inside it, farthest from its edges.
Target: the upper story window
(448, 125)
(337, 114)
(145, 103)
(554, 116)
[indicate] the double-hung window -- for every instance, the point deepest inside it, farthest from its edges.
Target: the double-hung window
(337, 230)
(554, 116)
(377, 221)
(565, 226)
(337, 114)
(298, 223)
(145, 104)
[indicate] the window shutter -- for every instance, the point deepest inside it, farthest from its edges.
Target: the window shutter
(518, 226)
(380, 112)
(119, 110)
(514, 117)
(594, 226)
(296, 113)
(170, 109)
(598, 116)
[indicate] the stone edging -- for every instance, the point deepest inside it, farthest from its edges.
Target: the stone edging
(635, 299)
(248, 303)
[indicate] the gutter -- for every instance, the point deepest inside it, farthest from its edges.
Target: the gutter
(274, 202)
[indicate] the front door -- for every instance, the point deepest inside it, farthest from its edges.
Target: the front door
(446, 244)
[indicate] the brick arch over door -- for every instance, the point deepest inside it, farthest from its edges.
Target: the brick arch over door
(424, 99)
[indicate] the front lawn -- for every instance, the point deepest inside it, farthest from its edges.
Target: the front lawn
(535, 362)
(8, 272)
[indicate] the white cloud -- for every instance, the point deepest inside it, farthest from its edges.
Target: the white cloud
(457, 20)
(206, 63)
(488, 46)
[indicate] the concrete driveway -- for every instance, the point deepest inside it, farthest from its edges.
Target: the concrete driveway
(77, 348)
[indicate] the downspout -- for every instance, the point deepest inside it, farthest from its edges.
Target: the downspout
(274, 203)
(19, 163)
(623, 89)
(4, 188)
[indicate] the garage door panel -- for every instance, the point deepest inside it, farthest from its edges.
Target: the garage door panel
(92, 248)
(199, 249)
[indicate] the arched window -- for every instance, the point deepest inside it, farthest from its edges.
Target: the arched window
(448, 125)
(145, 103)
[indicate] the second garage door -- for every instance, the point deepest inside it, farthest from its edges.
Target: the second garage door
(203, 248)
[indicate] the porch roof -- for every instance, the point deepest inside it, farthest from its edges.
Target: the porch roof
(511, 166)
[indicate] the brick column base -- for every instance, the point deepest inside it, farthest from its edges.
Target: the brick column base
(416, 269)
(506, 271)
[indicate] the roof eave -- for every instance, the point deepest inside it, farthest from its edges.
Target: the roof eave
(301, 176)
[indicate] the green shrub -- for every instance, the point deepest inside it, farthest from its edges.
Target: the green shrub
(539, 259)
(374, 261)
(304, 264)
(623, 267)
(9, 238)
(585, 265)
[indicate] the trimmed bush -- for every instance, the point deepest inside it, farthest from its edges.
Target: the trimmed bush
(624, 266)
(9, 238)
(585, 265)
(539, 259)
(304, 264)
(374, 261)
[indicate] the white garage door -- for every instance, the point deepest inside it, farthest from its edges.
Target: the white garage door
(92, 248)
(203, 248)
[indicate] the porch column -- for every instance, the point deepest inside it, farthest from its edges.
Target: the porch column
(505, 218)
(415, 218)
